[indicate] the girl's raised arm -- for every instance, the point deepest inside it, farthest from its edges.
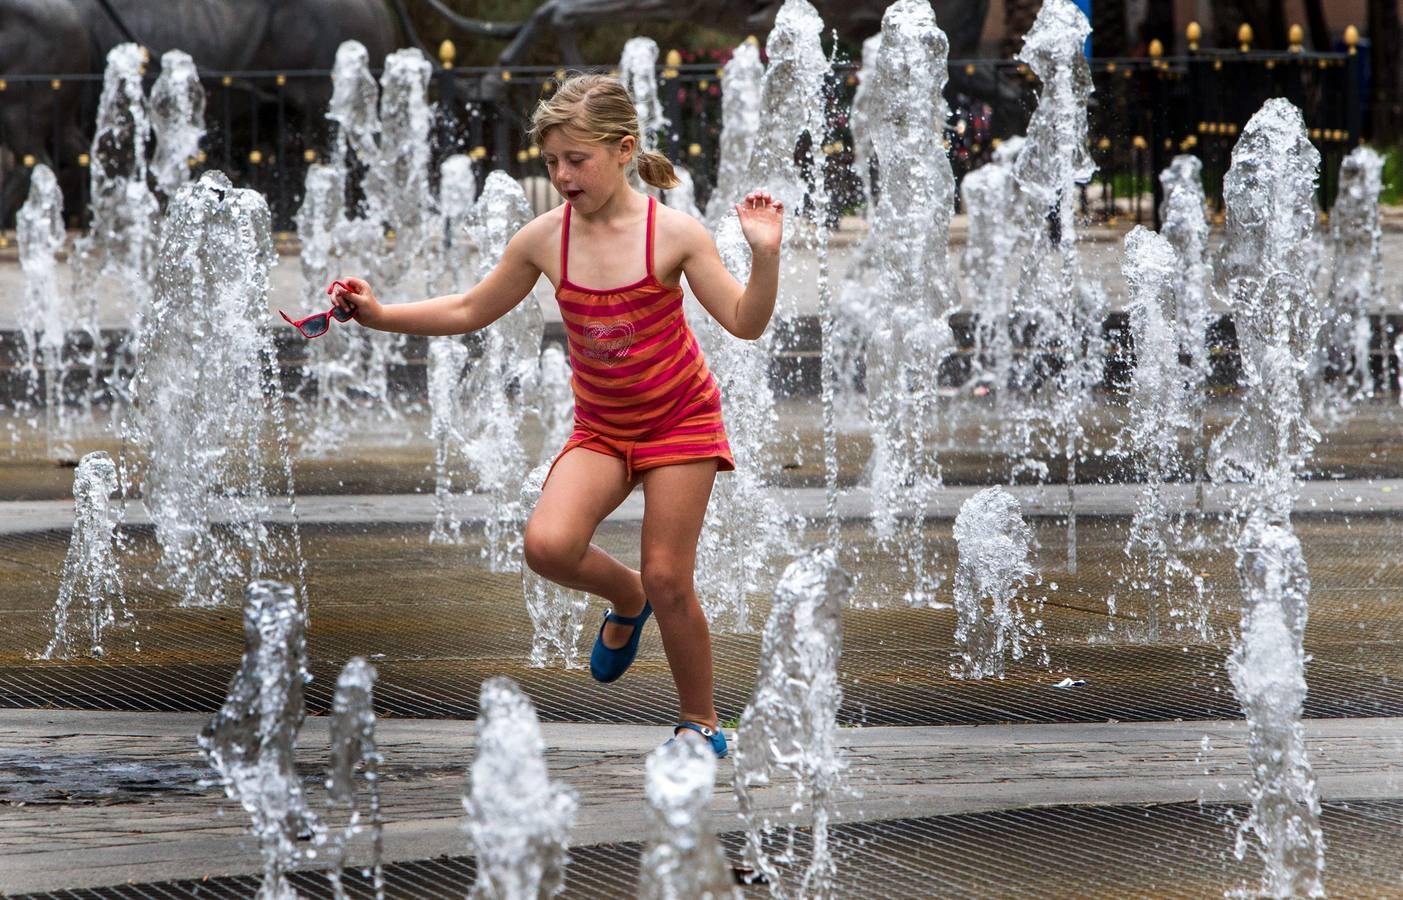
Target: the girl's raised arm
(744, 312)
(479, 306)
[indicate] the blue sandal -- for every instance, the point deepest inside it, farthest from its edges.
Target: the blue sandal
(608, 664)
(717, 738)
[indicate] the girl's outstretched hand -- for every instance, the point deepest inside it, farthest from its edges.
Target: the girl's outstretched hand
(761, 221)
(358, 298)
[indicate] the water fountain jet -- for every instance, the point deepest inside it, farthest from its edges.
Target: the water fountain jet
(518, 819)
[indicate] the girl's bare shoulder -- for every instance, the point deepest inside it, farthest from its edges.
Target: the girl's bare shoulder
(538, 236)
(680, 229)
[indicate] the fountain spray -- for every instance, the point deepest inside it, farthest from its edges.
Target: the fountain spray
(1067, 308)
(45, 309)
(353, 747)
(682, 858)
(793, 103)
(207, 427)
(788, 734)
(1160, 411)
(90, 573)
(518, 819)
(1267, 254)
(991, 624)
(177, 121)
(912, 298)
(744, 529)
(252, 740)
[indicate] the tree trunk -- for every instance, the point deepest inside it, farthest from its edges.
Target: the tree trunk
(1386, 71)
(1317, 32)
(1109, 34)
(1267, 18)
(1018, 18)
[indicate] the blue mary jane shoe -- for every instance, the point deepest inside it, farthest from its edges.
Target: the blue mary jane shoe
(716, 738)
(607, 664)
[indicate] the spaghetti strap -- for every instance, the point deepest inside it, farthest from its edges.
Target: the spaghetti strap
(564, 244)
(649, 261)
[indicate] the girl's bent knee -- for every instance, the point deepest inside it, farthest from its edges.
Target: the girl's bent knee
(550, 554)
(667, 589)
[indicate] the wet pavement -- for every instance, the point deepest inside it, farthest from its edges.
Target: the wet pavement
(1007, 787)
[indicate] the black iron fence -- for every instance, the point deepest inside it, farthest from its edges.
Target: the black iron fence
(266, 128)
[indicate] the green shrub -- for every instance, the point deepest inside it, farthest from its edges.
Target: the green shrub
(1393, 176)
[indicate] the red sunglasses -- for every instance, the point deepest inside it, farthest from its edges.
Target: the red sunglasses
(316, 325)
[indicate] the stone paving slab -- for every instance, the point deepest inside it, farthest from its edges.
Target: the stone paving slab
(1384, 495)
(144, 833)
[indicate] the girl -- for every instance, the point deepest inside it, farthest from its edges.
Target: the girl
(646, 407)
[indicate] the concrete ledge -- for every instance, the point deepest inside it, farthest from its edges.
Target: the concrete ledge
(899, 772)
(1315, 498)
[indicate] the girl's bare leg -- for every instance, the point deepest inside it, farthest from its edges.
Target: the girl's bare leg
(582, 489)
(675, 499)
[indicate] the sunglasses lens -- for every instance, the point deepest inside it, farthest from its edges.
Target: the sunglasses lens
(316, 326)
(343, 315)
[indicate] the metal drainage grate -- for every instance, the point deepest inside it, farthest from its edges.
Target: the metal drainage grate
(1163, 851)
(436, 624)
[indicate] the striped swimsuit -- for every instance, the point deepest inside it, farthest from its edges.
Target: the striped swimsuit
(642, 390)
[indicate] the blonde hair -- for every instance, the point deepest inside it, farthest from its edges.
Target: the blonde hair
(599, 108)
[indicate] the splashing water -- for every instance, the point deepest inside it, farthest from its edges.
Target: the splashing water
(1160, 412)
(989, 197)
(1186, 228)
(323, 206)
(352, 747)
(457, 194)
(557, 408)
(1267, 670)
(120, 244)
(910, 231)
(793, 104)
(252, 739)
(1354, 286)
(503, 382)
(348, 366)
(863, 114)
(638, 66)
(857, 315)
(744, 529)
(519, 820)
(682, 858)
(789, 731)
(991, 624)
(741, 79)
(1267, 256)
(401, 176)
(1067, 307)
(207, 427)
(177, 121)
(1270, 218)
(557, 613)
(46, 309)
(90, 573)
(683, 198)
(448, 361)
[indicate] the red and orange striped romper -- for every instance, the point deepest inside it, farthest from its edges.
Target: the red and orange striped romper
(642, 390)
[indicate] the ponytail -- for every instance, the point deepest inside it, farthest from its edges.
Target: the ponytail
(656, 170)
